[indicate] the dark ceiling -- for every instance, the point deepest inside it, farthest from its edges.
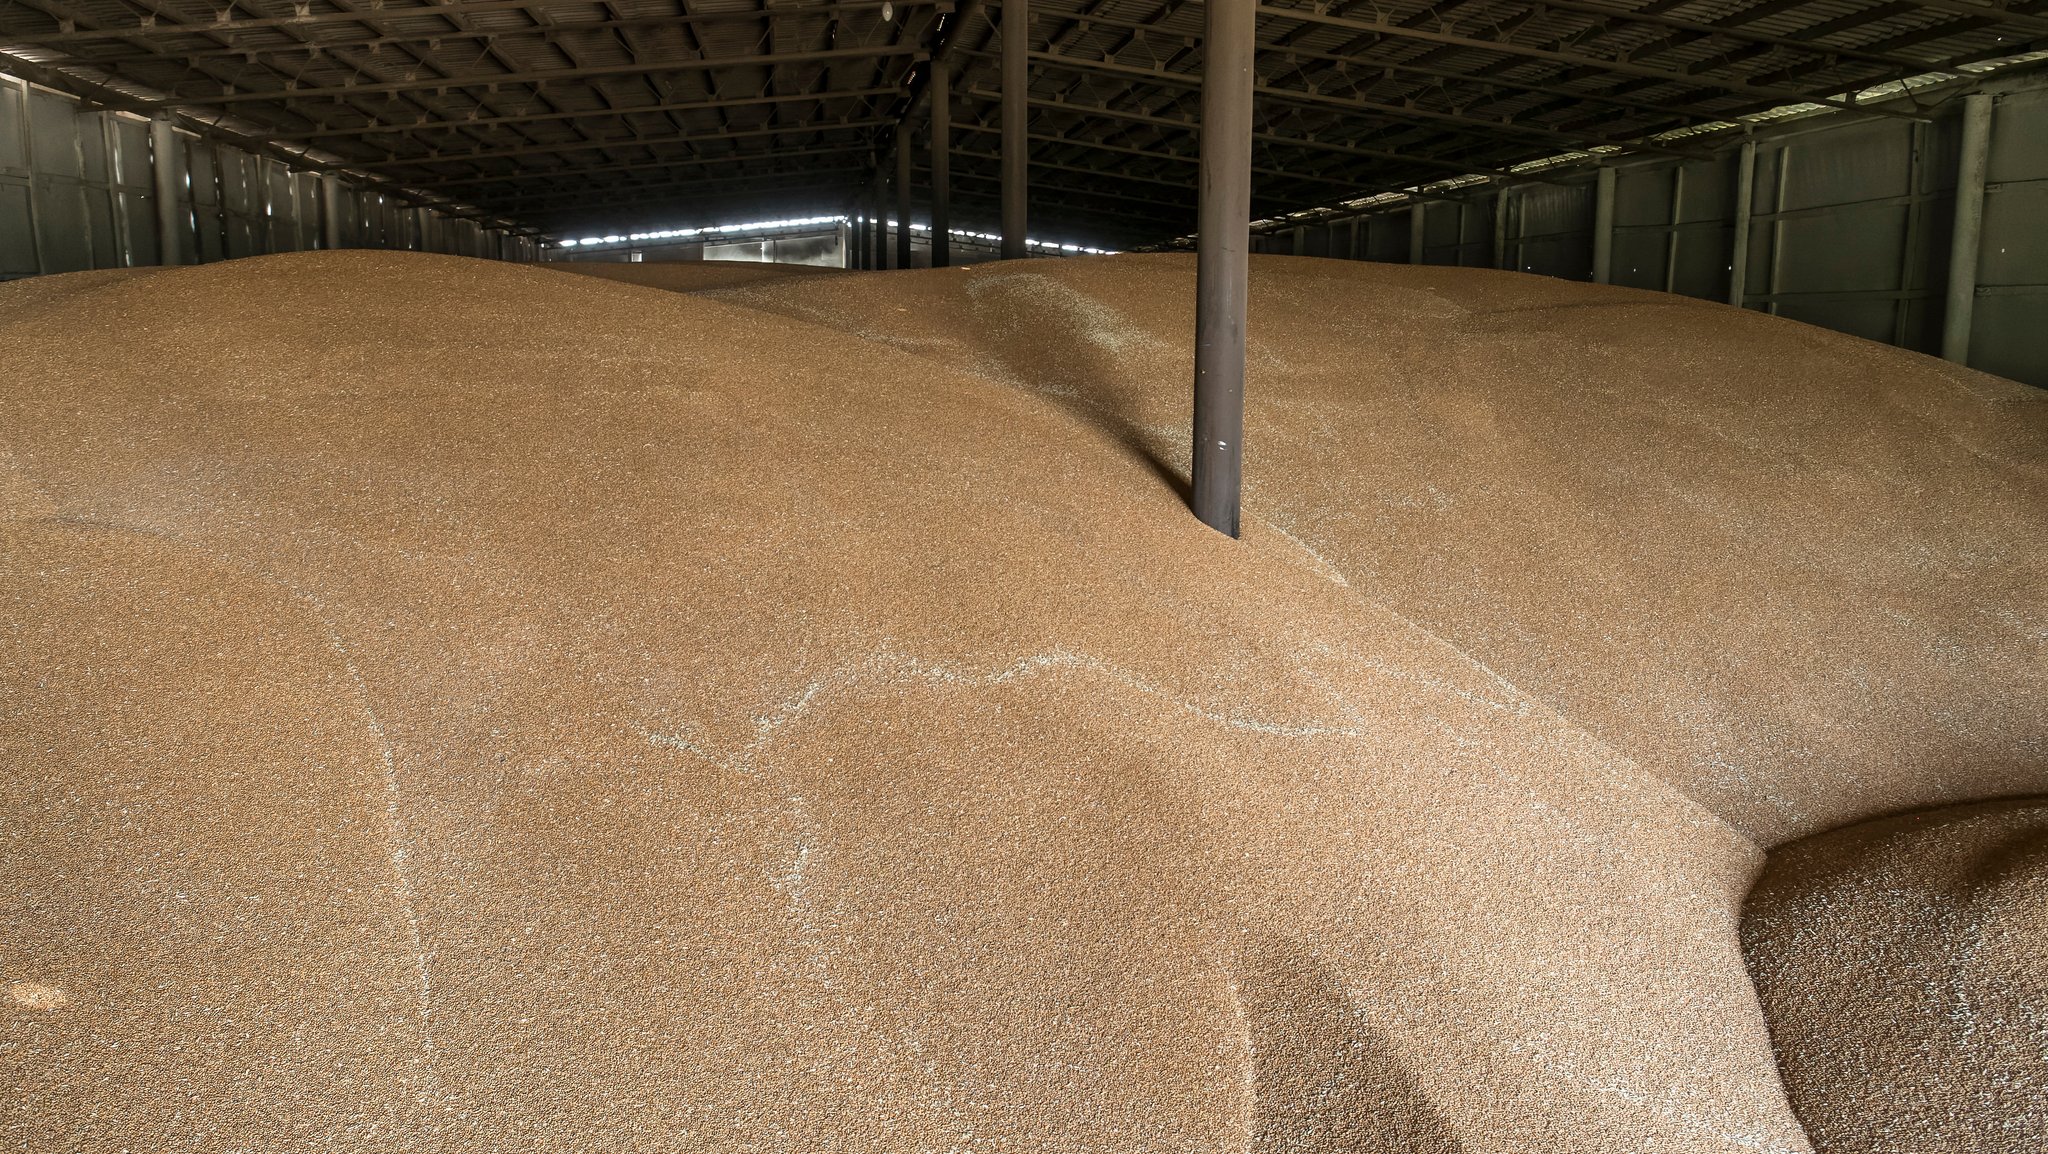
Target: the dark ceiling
(562, 116)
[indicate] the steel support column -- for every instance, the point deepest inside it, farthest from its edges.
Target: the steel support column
(330, 212)
(942, 169)
(878, 211)
(1745, 197)
(163, 166)
(903, 159)
(1671, 242)
(878, 207)
(1965, 241)
(1603, 227)
(1418, 230)
(1223, 241)
(1500, 227)
(1016, 115)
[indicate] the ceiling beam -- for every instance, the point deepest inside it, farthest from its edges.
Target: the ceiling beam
(289, 96)
(597, 189)
(156, 28)
(1402, 112)
(617, 142)
(423, 126)
(1192, 125)
(1382, 27)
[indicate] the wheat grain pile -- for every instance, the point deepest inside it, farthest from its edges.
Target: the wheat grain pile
(449, 705)
(1903, 964)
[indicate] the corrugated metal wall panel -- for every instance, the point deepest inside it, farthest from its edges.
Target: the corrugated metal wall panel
(1850, 229)
(17, 223)
(2010, 336)
(78, 191)
(135, 189)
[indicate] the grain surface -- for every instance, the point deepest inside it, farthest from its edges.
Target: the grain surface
(1904, 966)
(453, 705)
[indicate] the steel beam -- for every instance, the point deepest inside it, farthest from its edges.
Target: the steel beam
(1148, 207)
(1294, 53)
(1408, 113)
(1799, 43)
(26, 127)
(1603, 227)
(647, 142)
(1016, 115)
(1966, 241)
(330, 211)
(942, 117)
(878, 207)
(1191, 125)
(163, 167)
(1386, 27)
(1350, 184)
(1500, 227)
(521, 175)
(1745, 197)
(373, 16)
(564, 216)
(903, 159)
(1223, 244)
(422, 125)
(287, 96)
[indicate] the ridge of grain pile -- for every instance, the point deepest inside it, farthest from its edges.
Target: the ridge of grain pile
(453, 705)
(1904, 966)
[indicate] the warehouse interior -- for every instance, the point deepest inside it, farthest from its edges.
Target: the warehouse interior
(1436, 575)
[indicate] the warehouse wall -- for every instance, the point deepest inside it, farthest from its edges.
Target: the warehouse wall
(814, 246)
(827, 247)
(1849, 228)
(78, 191)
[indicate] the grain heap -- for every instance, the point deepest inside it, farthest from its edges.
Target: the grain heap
(458, 706)
(691, 275)
(1904, 966)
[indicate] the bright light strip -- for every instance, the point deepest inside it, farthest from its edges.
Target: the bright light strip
(813, 221)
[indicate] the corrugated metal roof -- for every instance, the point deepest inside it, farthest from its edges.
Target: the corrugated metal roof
(548, 110)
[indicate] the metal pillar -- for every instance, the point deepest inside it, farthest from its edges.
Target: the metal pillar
(330, 212)
(858, 257)
(1500, 227)
(1016, 138)
(942, 169)
(1964, 243)
(878, 208)
(1418, 224)
(1222, 266)
(117, 175)
(1745, 197)
(902, 196)
(1603, 228)
(163, 165)
(1671, 242)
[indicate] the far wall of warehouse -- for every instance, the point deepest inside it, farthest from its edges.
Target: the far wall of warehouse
(1849, 220)
(1849, 227)
(828, 245)
(78, 190)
